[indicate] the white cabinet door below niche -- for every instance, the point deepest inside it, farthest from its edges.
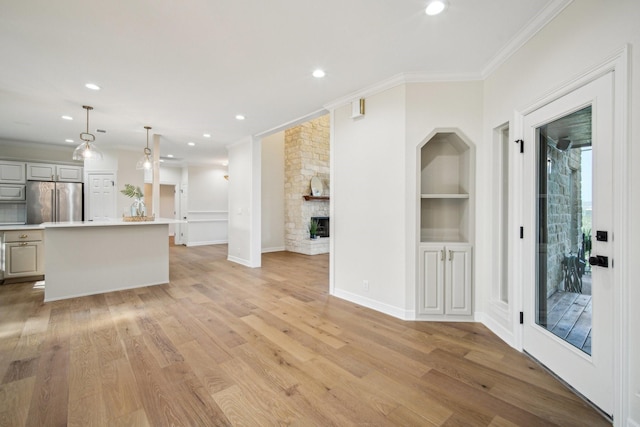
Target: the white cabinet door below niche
(445, 279)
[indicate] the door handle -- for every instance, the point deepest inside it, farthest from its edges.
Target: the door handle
(442, 255)
(450, 255)
(599, 261)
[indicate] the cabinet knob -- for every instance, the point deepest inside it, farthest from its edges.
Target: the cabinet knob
(24, 236)
(23, 243)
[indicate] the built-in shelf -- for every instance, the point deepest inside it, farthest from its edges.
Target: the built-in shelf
(444, 196)
(445, 189)
(316, 197)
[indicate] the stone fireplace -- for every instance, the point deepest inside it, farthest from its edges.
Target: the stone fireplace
(306, 153)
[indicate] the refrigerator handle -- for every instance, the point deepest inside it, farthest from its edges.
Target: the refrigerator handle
(57, 205)
(53, 206)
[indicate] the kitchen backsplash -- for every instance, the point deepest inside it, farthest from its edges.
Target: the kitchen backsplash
(13, 213)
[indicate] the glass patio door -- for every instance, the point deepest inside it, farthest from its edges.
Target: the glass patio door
(568, 298)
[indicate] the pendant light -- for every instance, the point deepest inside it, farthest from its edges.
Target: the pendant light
(146, 162)
(87, 149)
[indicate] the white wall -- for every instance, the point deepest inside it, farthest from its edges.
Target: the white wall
(368, 203)
(273, 193)
(244, 202)
(375, 169)
(585, 34)
(207, 205)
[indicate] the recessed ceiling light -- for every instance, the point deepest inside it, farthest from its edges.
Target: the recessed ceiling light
(240, 117)
(318, 74)
(67, 117)
(206, 135)
(92, 86)
(169, 155)
(225, 163)
(191, 144)
(435, 7)
(68, 140)
(161, 161)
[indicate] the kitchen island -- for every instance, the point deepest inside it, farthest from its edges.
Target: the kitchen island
(93, 257)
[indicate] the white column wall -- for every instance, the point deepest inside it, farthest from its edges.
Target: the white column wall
(244, 202)
(368, 203)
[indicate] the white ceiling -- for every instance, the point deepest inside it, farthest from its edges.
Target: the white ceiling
(188, 67)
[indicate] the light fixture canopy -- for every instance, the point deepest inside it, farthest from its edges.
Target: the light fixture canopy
(87, 149)
(146, 162)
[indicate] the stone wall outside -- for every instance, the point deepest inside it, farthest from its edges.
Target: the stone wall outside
(564, 212)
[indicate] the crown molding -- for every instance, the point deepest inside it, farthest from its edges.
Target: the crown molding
(537, 23)
(400, 79)
(394, 81)
(291, 123)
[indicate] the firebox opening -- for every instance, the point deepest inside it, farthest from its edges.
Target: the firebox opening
(323, 225)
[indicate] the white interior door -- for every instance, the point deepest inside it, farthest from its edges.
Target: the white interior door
(568, 303)
(102, 196)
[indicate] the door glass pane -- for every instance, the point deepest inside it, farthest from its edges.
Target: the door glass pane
(563, 288)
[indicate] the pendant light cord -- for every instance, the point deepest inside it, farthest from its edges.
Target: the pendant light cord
(85, 135)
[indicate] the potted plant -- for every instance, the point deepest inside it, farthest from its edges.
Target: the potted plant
(137, 208)
(313, 229)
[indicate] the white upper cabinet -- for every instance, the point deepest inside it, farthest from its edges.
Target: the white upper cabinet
(12, 172)
(51, 172)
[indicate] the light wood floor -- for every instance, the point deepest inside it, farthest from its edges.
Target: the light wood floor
(227, 345)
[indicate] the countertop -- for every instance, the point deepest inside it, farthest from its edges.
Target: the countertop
(20, 227)
(107, 222)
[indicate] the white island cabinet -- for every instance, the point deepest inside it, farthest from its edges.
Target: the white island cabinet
(93, 257)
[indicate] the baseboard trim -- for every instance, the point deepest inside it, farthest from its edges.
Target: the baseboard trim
(503, 333)
(276, 249)
(240, 261)
(206, 243)
(393, 311)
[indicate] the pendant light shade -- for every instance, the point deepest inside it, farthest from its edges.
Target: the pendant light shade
(87, 149)
(146, 162)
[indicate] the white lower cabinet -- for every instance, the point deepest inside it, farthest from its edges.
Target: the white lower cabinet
(445, 279)
(23, 254)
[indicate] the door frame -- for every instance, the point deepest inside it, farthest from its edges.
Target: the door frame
(618, 63)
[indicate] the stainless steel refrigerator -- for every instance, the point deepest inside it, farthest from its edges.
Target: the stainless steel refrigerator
(53, 201)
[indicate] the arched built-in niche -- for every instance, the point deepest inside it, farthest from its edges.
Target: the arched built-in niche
(446, 226)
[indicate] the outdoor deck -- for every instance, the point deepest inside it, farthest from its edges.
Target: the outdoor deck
(569, 316)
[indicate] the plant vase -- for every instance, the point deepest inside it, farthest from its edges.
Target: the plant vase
(138, 208)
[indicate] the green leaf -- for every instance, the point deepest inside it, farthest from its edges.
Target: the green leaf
(132, 191)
